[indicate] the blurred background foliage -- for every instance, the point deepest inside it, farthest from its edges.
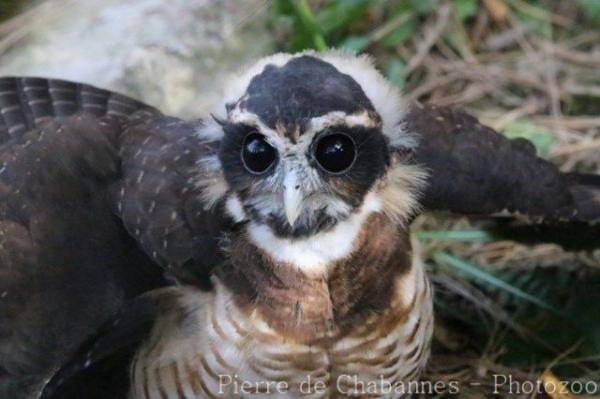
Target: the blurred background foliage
(505, 304)
(509, 298)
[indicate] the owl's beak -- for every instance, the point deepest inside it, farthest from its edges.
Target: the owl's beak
(292, 197)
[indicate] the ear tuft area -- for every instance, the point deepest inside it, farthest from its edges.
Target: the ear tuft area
(209, 177)
(400, 190)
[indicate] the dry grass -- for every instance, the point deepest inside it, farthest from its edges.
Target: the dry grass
(503, 73)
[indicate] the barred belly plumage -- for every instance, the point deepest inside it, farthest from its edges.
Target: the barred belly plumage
(224, 352)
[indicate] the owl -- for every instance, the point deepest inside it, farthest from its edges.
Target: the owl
(269, 240)
(321, 287)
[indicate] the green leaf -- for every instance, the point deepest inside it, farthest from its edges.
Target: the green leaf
(301, 39)
(591, 9)
(423, 6)
(541, 137)
(337, 14)
(395, 72)
(467, 235)
(478, 273)
(535, 16)
(306, 17)
(399, 7)
(464, 9)
(400, 34)
(283, 7)
(356, 43)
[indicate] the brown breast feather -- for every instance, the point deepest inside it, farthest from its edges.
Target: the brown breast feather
(315, 310)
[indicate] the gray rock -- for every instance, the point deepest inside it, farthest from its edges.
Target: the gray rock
(173, 54)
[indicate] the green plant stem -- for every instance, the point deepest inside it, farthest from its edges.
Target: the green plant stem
(467, 235)
(308, 20)
(483, 276)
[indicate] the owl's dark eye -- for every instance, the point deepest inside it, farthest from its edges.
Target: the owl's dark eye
(335, 153)
(257, 154)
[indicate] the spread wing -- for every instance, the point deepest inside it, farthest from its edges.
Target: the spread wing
(66, 261)
(95, 192)
(100, 368)
(154, 194)
(29, 102)
(475, 170)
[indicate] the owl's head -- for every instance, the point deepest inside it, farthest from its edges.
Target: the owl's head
(307, 140)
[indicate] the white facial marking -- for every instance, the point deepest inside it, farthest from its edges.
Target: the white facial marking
(334, 118)
(210, 130)
(313, 254)
(385, 97)
(272, 201)
(233, 207)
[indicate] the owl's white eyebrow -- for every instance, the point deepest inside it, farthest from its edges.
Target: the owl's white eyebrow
(362, 119)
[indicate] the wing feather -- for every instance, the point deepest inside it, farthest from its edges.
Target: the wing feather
(97, 188)
(476, 170)
(66, 262)
(160, 202)
(26, 102)
(100, 368)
